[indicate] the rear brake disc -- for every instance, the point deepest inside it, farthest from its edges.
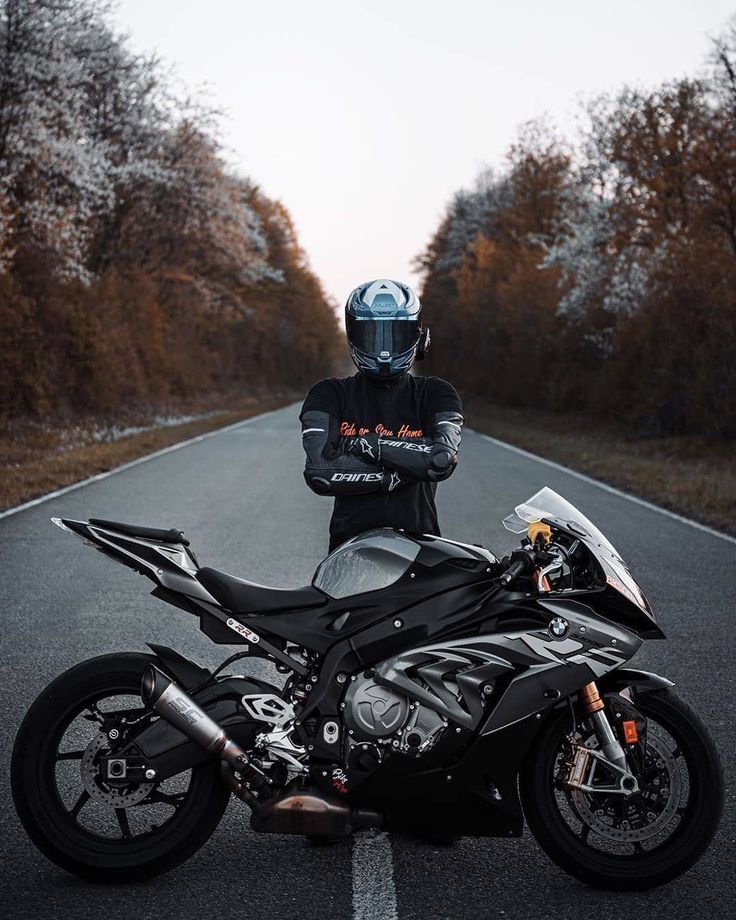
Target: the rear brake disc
(123, 796)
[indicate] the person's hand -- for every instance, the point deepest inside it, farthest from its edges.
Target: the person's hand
(366, 447)
(392, 481)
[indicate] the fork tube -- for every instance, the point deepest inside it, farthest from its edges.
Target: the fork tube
(594, 706)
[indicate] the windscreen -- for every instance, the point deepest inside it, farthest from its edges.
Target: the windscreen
(546, 505)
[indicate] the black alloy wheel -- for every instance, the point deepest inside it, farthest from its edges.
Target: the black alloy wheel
(101, 829)
(628, 842)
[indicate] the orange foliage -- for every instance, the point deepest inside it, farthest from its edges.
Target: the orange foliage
(608, 284)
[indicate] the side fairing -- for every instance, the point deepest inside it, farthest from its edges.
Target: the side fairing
(491, 681)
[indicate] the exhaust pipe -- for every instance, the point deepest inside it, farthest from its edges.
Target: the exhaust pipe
(299, 810)
(302, 809)
(180, 710)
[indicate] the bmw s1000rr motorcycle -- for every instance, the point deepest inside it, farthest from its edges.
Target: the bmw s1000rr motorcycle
(428, 687)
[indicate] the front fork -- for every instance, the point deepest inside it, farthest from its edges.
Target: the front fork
(610, 745)
(582, 770)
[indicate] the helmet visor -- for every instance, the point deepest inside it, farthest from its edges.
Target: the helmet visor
(373, 336)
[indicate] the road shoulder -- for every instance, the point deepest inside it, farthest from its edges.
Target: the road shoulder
(38, 460)
(690, 477)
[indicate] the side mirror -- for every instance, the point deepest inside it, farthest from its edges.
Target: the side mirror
(423, 344)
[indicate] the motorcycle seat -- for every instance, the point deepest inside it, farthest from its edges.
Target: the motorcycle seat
(241, 596)
(172, 535)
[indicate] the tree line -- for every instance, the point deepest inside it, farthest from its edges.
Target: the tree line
(599, 275)
(135, 267)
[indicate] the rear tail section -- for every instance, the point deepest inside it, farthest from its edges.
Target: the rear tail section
(163, 555)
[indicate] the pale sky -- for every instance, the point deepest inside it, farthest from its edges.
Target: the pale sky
(364, 116)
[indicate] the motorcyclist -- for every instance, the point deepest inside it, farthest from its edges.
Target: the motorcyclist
(381, 440)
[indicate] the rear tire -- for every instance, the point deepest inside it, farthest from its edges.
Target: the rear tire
(641, 869)
(52, 826)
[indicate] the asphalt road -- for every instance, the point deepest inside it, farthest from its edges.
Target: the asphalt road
(241, 498)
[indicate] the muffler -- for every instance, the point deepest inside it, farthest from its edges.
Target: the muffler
(299, 809)
(180, 710)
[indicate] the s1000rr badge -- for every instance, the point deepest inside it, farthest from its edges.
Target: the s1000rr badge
(558, 628)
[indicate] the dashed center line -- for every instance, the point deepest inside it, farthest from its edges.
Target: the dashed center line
(374, 893)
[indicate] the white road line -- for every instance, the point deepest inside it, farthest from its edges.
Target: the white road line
(126, 466)
(606, 488)
(374, 894)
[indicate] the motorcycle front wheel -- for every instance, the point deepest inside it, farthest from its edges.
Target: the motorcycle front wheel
(102, 830)
(628, 842)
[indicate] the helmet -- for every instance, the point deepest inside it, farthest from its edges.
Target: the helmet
(383, 323)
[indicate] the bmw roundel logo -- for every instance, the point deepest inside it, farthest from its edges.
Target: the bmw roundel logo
(558, 628)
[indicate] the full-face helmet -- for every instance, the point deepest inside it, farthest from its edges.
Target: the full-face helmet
(383, 320)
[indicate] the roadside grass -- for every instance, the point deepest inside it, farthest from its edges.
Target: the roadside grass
(41, 456)
(695, 477)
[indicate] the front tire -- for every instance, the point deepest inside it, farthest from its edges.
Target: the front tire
(104, 836)
(622, 855)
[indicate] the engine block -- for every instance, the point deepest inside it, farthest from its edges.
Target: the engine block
(374, 711)
(377, 713)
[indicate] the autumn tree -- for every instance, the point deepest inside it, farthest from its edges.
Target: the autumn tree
(483, 290)
(610, 275)
(135, 267)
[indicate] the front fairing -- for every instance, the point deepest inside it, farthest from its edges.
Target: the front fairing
(619, 592)
(616, 596)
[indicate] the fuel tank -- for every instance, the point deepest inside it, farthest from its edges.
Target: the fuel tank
(372, 576)
(378, 558)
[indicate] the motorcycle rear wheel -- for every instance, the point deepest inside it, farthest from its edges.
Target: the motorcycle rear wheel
(98, 842)
(637, 862)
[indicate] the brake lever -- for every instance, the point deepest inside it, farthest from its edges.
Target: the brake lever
(542, 574)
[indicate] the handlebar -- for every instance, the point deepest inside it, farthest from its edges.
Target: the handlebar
(522, 561)
(525, 561)
(513, 572)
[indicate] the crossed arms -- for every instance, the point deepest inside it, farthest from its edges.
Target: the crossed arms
(372, 463)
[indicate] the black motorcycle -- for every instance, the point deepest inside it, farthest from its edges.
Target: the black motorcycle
(428, 687)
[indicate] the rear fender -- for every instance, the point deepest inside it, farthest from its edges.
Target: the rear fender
(185, 672)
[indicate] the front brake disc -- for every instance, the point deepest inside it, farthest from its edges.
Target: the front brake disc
(644, 822)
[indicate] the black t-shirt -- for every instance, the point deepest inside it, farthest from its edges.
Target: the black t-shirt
(403, 408)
